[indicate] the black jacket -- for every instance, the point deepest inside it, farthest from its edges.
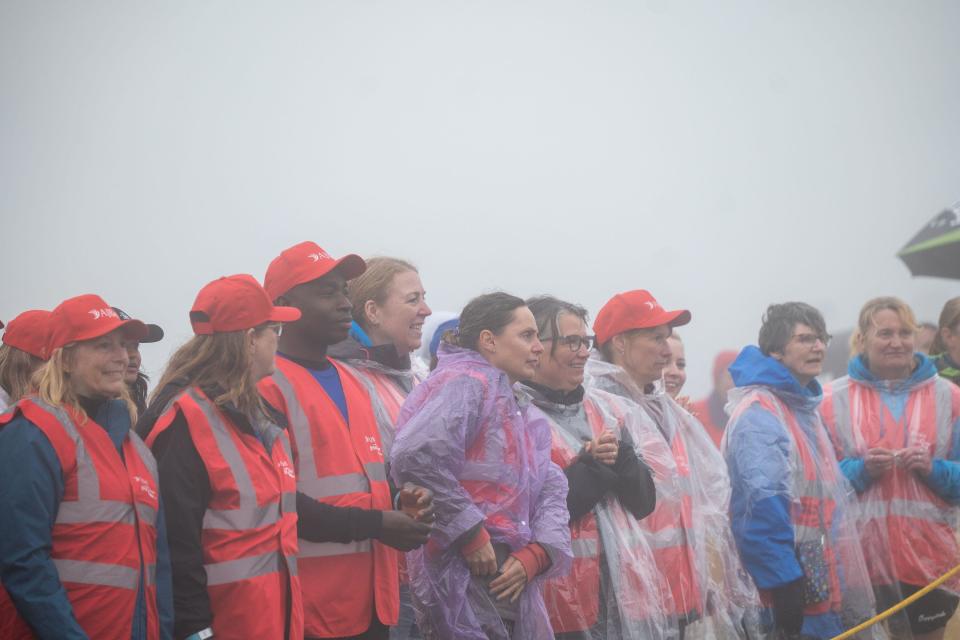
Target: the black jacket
(185, 488)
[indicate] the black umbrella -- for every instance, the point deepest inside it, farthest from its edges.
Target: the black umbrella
(935, 251)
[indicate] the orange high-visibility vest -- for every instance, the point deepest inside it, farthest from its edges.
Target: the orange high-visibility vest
(249, 535)
(812, 506)
(901, 512)
(342, 465)
(105, 531)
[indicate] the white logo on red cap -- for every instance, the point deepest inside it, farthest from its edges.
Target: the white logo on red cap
(322, 255)
(651, 305)
(103, 313)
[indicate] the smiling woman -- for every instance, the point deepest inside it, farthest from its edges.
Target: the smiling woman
(471, 437)
(76, 427)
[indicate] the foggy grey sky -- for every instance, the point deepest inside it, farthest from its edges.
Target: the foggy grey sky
(722, 155)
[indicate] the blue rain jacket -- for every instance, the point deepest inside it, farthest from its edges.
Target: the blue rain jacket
(757, 452)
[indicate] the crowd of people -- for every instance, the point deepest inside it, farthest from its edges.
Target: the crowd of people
(313, 463)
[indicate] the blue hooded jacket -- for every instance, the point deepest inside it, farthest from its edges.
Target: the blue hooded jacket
(758, 453)
(944, 478)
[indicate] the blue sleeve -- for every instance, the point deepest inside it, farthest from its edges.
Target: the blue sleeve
(855, 469)
(164, 578)
(759, 463)
(944, 480)
(31, 487)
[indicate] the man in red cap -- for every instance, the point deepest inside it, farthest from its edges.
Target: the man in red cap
(690, 527)
(710, 411)
(341, 475)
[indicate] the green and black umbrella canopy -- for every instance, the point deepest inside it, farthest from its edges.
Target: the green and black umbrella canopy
(935, 251)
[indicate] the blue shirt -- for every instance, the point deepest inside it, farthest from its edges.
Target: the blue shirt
(329, 379)
(31, 488)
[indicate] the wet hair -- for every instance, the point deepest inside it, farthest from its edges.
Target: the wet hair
(374, 284)
(219, 360)
(138, 391)
(488, 312)
(875, 305)
(778, 323)
(949, 319)
(546, 312)
(16, 369)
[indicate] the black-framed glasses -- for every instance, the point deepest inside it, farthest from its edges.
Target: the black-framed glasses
(575, 342)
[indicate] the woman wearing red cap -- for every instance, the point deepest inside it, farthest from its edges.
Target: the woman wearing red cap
(226, 468)
(694, 548)
(82, 548)
(24, 349)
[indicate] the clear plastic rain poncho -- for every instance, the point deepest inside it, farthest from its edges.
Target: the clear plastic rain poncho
(484, 451)
(793, 513)
(909, 524)
(716, 596)
(388, 389)
(613, 590)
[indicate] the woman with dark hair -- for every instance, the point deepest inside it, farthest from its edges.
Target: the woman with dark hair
(612, 590)
(24, 350)
(468, 435)
(134, 376)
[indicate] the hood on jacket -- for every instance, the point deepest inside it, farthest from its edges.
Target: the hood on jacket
(752, 368)
(858, 369)
(357, 346)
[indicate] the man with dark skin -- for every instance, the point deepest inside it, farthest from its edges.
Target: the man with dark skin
(344, 499)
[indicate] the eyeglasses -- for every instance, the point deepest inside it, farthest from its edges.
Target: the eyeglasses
(574, 343)
(810, 339)
(277, 328)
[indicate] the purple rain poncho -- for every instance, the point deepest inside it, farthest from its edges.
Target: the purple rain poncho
(484, 451)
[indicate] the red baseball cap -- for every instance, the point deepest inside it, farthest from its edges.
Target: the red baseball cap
(235, 303)
(84, 318)
(305, 262)
(634, 310)
(29, 332)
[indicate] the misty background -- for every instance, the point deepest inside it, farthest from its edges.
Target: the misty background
(722, 155)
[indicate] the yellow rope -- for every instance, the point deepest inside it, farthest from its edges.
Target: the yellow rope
(900, 605)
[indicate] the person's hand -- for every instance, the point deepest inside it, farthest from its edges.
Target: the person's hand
(916, 459)
(878, 462)
(686, 404)
(511, 581)
(417, 502)
(402, 532)
(604, 447)
(483, 561)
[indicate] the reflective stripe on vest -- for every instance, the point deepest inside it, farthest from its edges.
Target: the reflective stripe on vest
(249, 515)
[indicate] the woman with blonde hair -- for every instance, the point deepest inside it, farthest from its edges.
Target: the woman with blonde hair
(895, 425)
(389, 309)
(23, 351)
(225, 465)
(82, 549)
(946, 344)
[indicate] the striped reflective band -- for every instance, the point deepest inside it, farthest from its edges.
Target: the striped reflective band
(494, 472)
(71, 512)
(666, 538)
(251, 567)
(584, 547)
(99, 573)
(307, 479)
(915, 509)
(326, 549)
(242, 518)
